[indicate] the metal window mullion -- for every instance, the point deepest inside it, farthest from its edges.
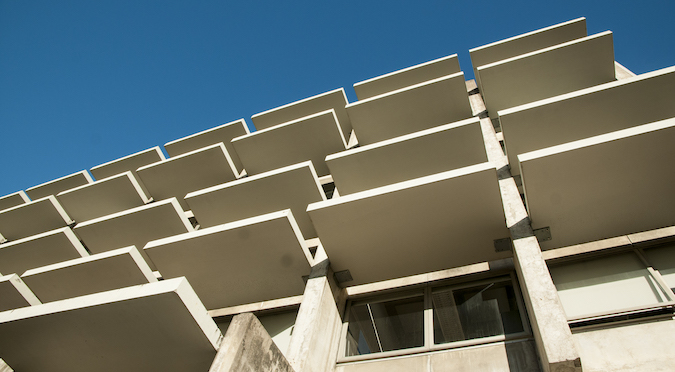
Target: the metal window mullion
(656, 275)
(428, 319)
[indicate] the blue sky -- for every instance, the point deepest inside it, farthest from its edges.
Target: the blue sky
(86, 82)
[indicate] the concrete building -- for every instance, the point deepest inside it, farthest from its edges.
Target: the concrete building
(521, 221)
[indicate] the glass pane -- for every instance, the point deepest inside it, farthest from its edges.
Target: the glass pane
(604, 284)
(385, 326)
(663, 259)
(486, 310)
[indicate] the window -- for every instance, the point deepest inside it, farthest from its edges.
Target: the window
(433, 318)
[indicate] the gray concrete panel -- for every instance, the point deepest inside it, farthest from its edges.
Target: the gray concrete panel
(60, 184)
(604, 186)
(107, 196)
(128, 163)
(220, 134)
(408, 76)
(411, 109)
(153, 327)
(309, 138)
(33, 218)
(431, 223)
(415, 155)
(548, 72)
(40, 250)
(13, 200)
(101, 272)
(291, 187)
(253, 260)
(335, 99)
(15, 294)
(588, 112)
(195, 170)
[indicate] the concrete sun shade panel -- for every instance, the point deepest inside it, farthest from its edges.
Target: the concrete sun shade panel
(33, 218)
(588, 112)
(335, 99)
(216, 260)
(408, 76)
(292, 187)
(220, 134)
(107, 196)
(601, 187)
(60, 184)
(152, 327)
(13, 200)
(135, 227)
(548, 72)
(415, 155)
(411, 109)
(40, 250)
(431, 223)
(129, 163)
(101, 272)
(309, 138)
(526, 43)
(191, 171)
(15, 294)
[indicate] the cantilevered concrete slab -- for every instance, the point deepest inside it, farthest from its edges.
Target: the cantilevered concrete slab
(548, 72)
(431, 223)
(40, 250)
(601, 187)
(415, 155)
(528, 42)
(252, 260)
(33, 218)
(13, 200)
(309, 138)
(15, 294)
(101, 272)
(107, 196)
(588, 112)
(411, 109)
(220, 134)
(153, 327)
(292, 187)
(60, 184)
(129, 163)
(195, 170)
(335, 99)
(408, 76)
(135, 227)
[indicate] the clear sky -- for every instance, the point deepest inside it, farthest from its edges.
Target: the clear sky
(85, 82)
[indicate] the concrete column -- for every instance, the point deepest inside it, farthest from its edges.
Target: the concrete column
(314, 344)
(247, 347)
(4, 367)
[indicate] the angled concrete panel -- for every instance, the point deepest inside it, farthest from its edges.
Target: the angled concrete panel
(107, 196)
(415, 155)
(153, 327)
(309, 138)
(431, 223)
(335, 99)
(291, 187)
(253, 260)
(548, 72)
(411, 109)
(408, 76)
(128, 163)
(588, 112)
(33, 218)
(40, 250)
(604, 186)
(220, 134)
(13, 200)
(101, 272)
(195, 170)
(60, 184)
(15, 294)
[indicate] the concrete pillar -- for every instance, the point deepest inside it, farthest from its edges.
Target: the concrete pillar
(247, 347)
(314, 344)
(4, 367)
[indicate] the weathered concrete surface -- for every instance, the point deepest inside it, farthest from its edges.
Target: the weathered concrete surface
(4, 367)
(516, 356)
(634, 347)
(247, 347)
